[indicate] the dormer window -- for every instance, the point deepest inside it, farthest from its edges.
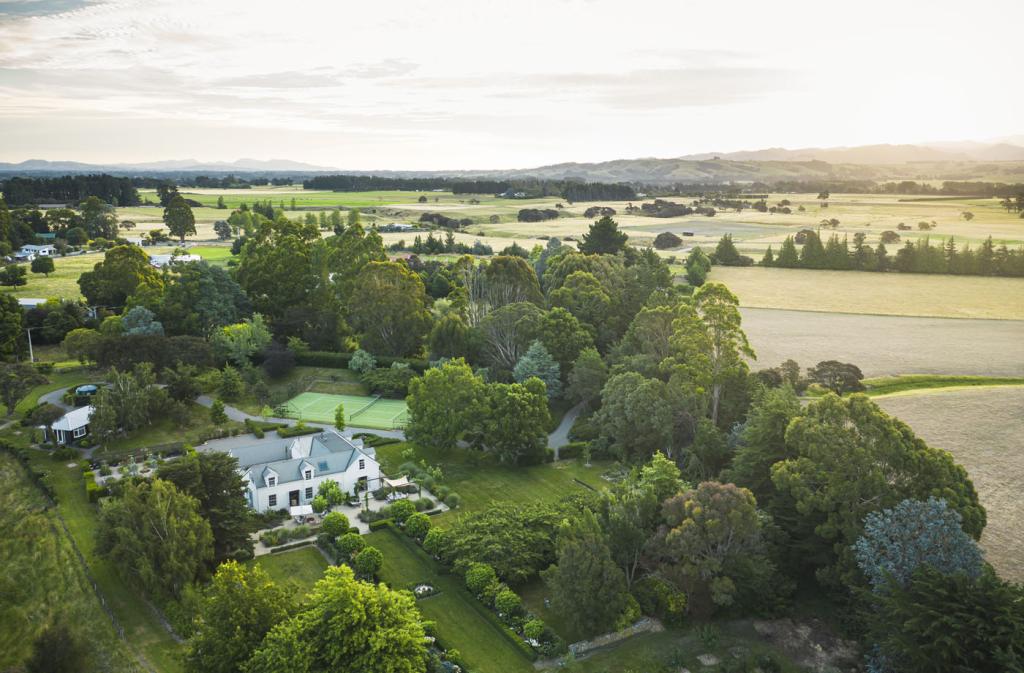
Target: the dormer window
(308, 474)
(271, 481)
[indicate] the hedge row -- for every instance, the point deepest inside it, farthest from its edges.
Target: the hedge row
(332, 360)
(478, 607)
(294, 545)
(296, 431)
(38, 477)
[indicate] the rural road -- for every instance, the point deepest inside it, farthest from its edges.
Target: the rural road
(54, 398)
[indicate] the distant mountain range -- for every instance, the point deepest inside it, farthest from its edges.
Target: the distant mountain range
(879, 154)
(999, 159)
(172, 165)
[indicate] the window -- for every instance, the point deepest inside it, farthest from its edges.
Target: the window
(272, 501)
(271, 481)
(80, 432)
(308, 474)
(309, 493)
(362, 464)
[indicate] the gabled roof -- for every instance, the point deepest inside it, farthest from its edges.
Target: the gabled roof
(326, 452)
(77, 418)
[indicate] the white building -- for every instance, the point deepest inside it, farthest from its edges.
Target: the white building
(29, 252)
(72, 425)
(286, 473)
(160, 261)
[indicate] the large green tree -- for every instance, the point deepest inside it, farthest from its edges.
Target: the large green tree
(237, 609)
(603, 238)
(510, 279)
(155, 537)
(563, 336)
(709, 531)
(635, 416)
(199, 298)
(513, 422)
(949, 623)
(99, 219)
(346, 625)
(587, 588)
(709, 343)
(508, 331)
(124, 270)
(388, 308)
(12, 328)
(537, 362)
(212, 478)
(443, 404)
(178, 217)
(239, 342)
(583, 295)
(851, 459)
(588, 376)
(762, 441)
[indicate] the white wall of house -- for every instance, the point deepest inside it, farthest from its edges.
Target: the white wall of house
(260, 497)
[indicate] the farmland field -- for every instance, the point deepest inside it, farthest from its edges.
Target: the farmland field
(887, 345)
(982, 428)
(904, 294)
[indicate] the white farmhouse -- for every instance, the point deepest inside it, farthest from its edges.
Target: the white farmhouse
(160, 261)
(286, 473)
(27, 253)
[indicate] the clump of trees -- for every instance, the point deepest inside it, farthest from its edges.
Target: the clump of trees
(921, 257)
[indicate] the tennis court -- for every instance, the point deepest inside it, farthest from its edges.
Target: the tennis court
(360, 410)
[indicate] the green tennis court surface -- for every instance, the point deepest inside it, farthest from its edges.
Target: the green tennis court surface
(360, 411)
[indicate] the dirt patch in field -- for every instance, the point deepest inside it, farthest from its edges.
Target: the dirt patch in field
(887, 345)
(984, 430)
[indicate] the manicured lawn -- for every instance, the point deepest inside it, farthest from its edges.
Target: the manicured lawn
(146, 636)
(674, 649)
(461, 621)
(296, 571)
(479, 480)
(302, 379)
(164, 431)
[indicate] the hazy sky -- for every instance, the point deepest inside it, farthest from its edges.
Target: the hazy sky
(448, 84)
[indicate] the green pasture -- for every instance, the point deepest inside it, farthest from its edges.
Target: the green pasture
(360, 411)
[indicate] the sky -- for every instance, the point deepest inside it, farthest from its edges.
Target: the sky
(475, 84)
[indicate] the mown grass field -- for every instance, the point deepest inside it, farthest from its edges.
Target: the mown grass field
(461, 621)
(982, 428)
(147, 639)
(479, 480)
(887, 345)
(294, 571)
(903, 294)
(42, 579)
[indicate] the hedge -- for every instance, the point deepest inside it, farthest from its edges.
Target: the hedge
(382, 523)
(332, 360)
(293, 545)
(296, 431)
